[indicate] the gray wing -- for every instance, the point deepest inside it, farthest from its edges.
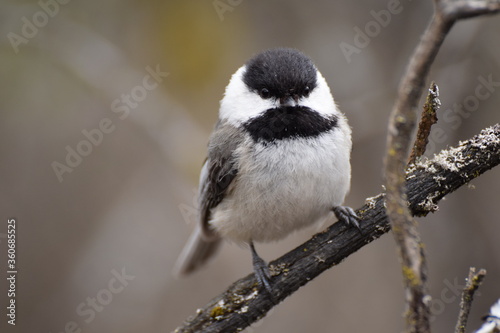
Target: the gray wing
(218, 172)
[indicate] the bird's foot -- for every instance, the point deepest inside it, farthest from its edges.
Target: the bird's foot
(348, 215)
(261, 270)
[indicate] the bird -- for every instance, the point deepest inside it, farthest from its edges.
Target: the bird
(492, 320)
(278, 160)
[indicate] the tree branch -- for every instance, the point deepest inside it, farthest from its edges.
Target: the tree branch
(472, 283)
(428, 118)
(401, 127)
(428, 181)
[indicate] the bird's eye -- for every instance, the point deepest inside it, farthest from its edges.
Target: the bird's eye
(307, 90)
(264, 93)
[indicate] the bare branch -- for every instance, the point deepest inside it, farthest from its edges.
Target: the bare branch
(472, 283)
(427, 182)
(401, 128)
(428, 118)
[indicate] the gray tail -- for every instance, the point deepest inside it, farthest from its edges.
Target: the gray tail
(195, 254)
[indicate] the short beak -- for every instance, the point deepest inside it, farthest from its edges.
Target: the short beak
(289, 100)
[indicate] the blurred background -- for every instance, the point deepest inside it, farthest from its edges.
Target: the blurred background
(105, 112)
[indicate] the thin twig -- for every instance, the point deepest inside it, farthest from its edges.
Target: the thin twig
(427, 182)
(428, 118)
(472, 283)
(401, 127)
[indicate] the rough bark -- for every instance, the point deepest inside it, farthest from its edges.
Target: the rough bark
(427, 182)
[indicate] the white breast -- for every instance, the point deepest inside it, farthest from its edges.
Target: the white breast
(285, 186)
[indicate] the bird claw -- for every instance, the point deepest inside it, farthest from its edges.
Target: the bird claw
(261, 270)
(348, 215)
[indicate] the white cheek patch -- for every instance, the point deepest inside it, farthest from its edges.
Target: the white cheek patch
(239, 103)
(321, 99)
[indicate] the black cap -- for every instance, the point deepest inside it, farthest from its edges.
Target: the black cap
(280, 73)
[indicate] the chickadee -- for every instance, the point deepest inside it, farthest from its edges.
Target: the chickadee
(492, 320)
(278, 159)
